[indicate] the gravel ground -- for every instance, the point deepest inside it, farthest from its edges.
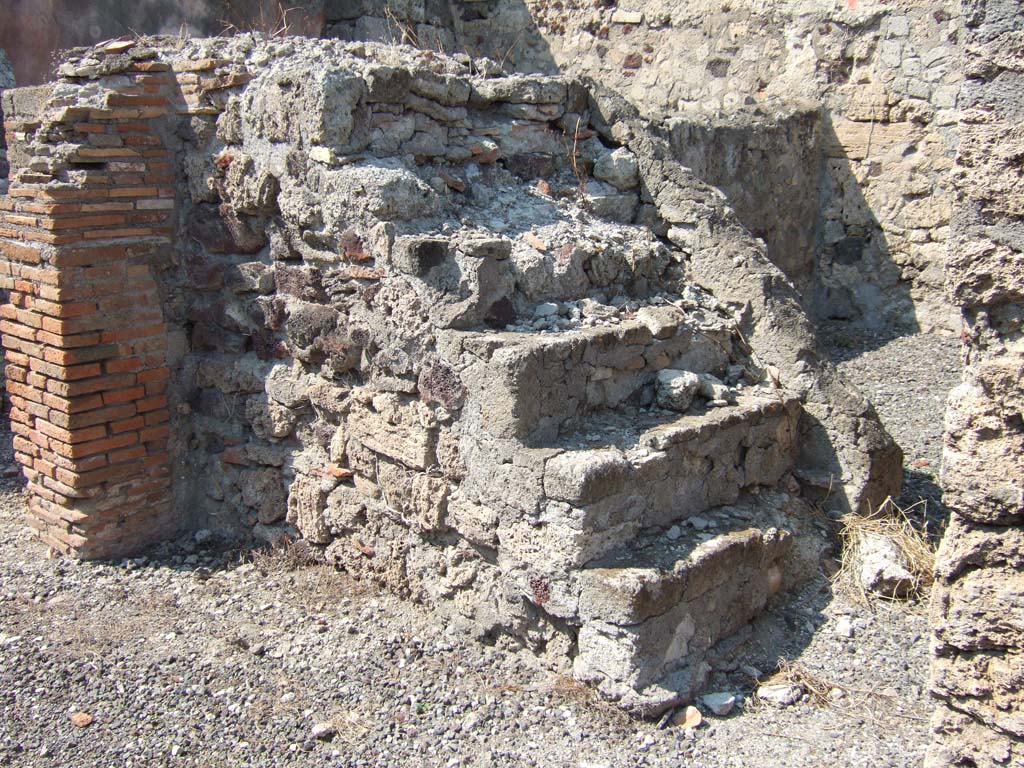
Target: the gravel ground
(907, 378)
(199, 657)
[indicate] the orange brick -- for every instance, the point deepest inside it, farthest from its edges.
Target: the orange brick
(36, 409)
(67, 373)
(80, 355)
(157, 417)
(124, 395)
(135, 192)
(148, 488)
(154, 329)
(152, 403)
(126, 454)
(67, 309)
(51, 237)
(50, 208)
(24, 446)
(89, 418)
(80, 480)
(72, 325)
(127, 425)
(154, 433)
(81, 222)
(23, 253)
(80, 257)
(123, 365)
(96, 446)
(123, 100)
(89, 386)
(105, 152)
(71, 436)
(25, 391)
(155, 374)
(16, 329)
(158, 459)
(98, 234)
(42, 465)
(20, 416)
(76, 405)
(66, 341)
(36, 380)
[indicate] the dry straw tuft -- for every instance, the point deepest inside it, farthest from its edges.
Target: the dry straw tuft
(895, 524)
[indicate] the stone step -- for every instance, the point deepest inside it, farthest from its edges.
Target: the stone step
(620, 474)
(536, 386)
(651, 611)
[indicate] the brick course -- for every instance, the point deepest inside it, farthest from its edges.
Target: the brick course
(83, 333)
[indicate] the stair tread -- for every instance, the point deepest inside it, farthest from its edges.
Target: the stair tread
(658, 569)
(656, 428)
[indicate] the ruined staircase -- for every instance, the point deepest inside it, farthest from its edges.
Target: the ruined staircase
(651, 534)
(476, 337)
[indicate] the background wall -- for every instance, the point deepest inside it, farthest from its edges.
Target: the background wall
(882, 71)
(34, 31)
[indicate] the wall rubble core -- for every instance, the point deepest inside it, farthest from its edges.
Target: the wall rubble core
(977, 629)
(479, 338)
(880, 76)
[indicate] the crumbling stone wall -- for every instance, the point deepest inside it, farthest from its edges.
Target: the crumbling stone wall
(978, 636)
(882, 71)
(6, 81)
(769, 165)
(427, 24)
(35, 32)
(874, 246)
(479, 338)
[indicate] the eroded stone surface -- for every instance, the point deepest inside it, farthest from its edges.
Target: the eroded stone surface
(411, 333)
(978, 638)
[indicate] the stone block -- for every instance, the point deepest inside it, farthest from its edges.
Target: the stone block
(400, 431)
(307, 500)
(582, 477)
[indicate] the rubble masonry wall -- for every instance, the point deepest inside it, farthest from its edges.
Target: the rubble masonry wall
(977, 635)
(884, 74)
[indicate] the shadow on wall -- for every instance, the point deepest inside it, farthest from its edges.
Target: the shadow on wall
(856, 278)
(791, 183)
(792, 180)
(505, 31)
(34, 32)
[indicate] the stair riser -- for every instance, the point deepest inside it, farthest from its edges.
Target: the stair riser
(537, 390)
(714, 601)
(599, 499)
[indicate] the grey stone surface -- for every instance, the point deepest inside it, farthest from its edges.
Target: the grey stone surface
(882, 568)
(977, 635)
(366, 366)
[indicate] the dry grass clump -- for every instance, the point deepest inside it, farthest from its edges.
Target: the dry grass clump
(896, 525)
(795, 673)
(272, 22)
(284, 558)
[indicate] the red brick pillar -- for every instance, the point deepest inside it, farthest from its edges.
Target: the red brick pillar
(84, 334)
